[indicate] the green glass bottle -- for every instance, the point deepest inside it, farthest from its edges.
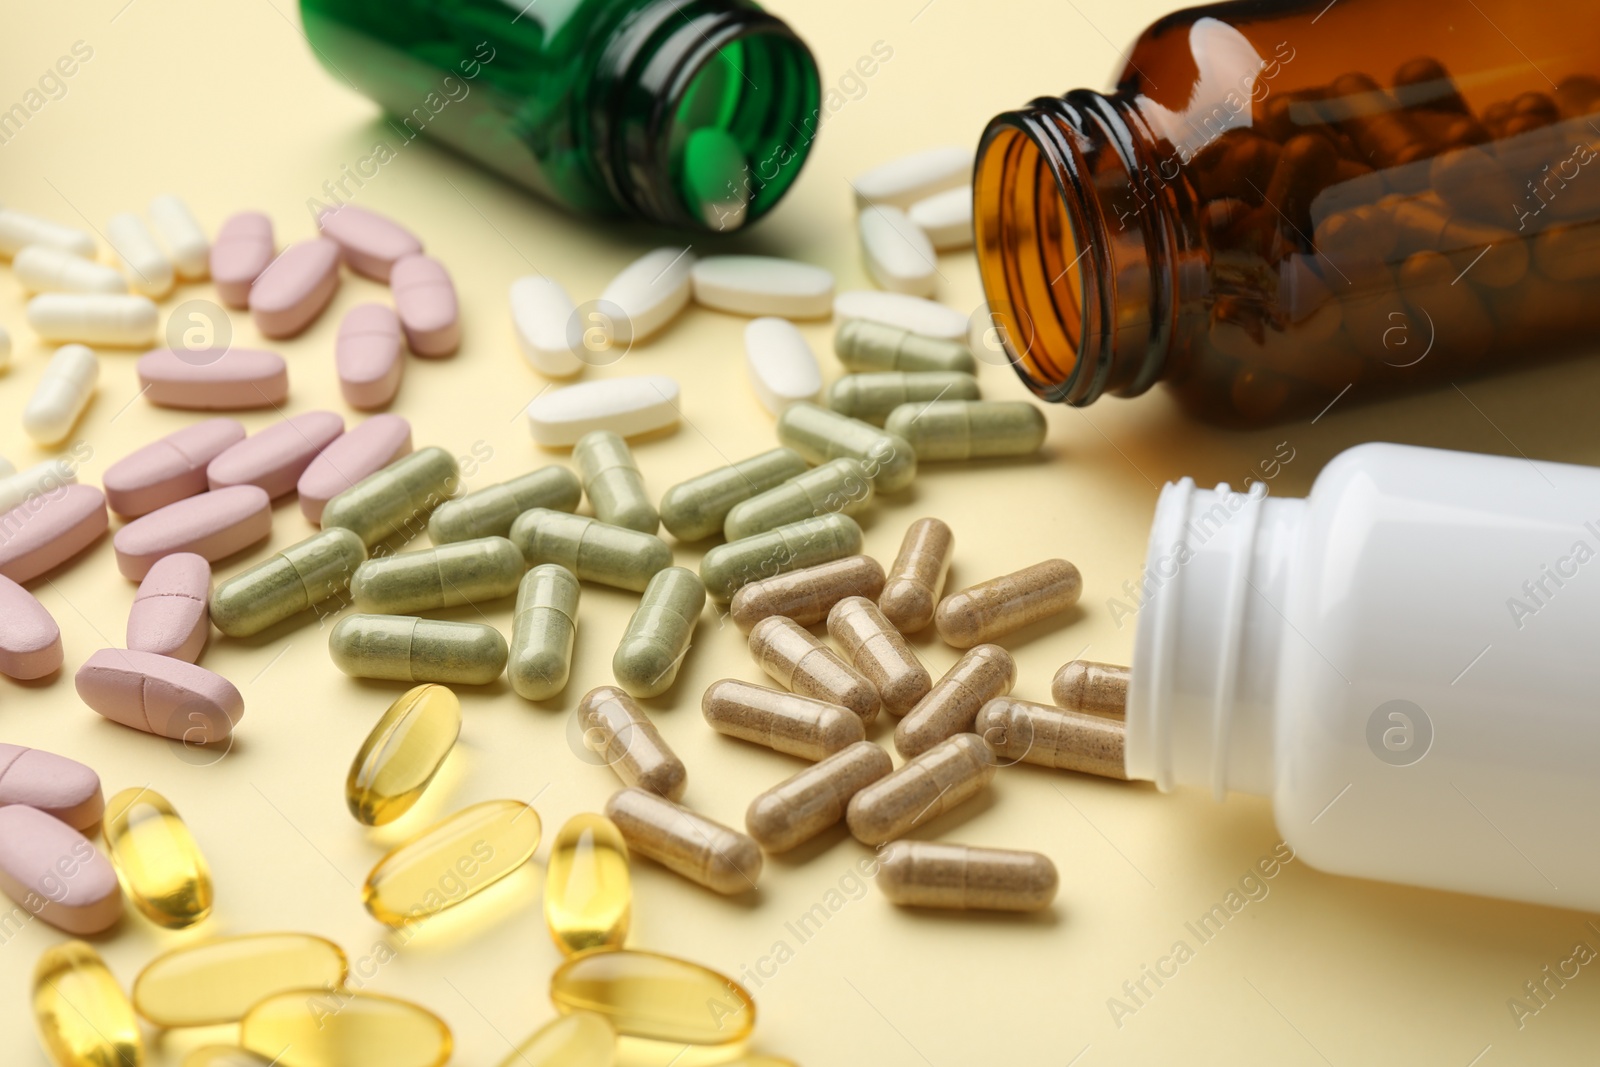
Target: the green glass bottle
(695, 114)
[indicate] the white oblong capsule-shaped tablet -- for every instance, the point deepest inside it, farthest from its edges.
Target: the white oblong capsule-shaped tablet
(625, 406)
(945, 217)
(275, 458)
(902, 182)
(369, 356)
(61, 395)
(47, 269)
(147, 266)
(763, 285)
(371, 243)
(232, 379)
(60, 787)
(171, 615)
(293, 290)
(651, 291)
(782, 367)
(911, 313)
(168, 468)
(47, 530)
(541, 312)
(214, 525)
(159, 695)
(425, 300)
(36, 481)
(187, 245)
(30, 640)
(899, 256)
(365, 450)
(113, 319)
(55, 873)
(243, 249)
(18, 230)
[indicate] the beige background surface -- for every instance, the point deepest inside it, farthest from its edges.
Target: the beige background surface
(223, 104)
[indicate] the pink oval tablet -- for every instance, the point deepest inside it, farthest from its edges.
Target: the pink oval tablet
(56, 873)
(60, 787)
(47, 530)
(365, 450)
(368, 356)
(159, 695)
(370, 242)
(295, 287)
(168, 469)
(30, 640)
(171, 615)
(214, 379)
(214, 525)
(275, 458)
(425, 299)
(242, 250)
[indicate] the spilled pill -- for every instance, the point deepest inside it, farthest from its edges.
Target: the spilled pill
(232, 379)
(612, 482)
(871, 396)
(490, 511)
(910, 313)
(625, 406)
(657, 638)
(992, 609)
(45, 269)
(160, 695)
(1022, 731)
(402, 754)
(368, 356)
(157, 859)
(864, 345)
(80, 1012)
(588, 894)
(820, 435)
(593, 550)
(781, 365)
(542, 316)
(876, 649)
(396, 500)
(425, 300)
(404, 648)
(615, 727)
(367, 1030)
(543, 630)
(805, 804)
(656, 997)
(462, 572)
(346, 460)
(651, 292)
(168, 469)
(839, 485)
(214, 525)
(902, 182)
(451, 861)
(899, 256)
(947, 775)
(30, 640)
(686, 843)
(60, 787)
(697, 508)
(369, 243)
(796, 660)
(806, 596)
(784, 722)
(242, 250)
(147, 266)
(41, 479)
(582, 1039)
(217, 981)
(61, 394)
(932, 874)
(47, 530)
(727, 568)
(18, 230)
(945, 217)
(274, 459)
(969, 429)
(187, 245)
(295, 287)
(300, 577)
(763, 285)
(952, 705)
(1097, 688)
(55, 873)
(112, 319)
(170, 614)
(916, 579)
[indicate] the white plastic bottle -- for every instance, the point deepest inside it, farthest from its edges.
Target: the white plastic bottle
(1407, 662)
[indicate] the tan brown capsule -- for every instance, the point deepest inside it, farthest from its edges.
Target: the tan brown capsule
(952, 705)
(911, 591)
(930, 874)
(802, 806)
(617, 728)
(806, 595)
(1002, 605)
(1097, 688)
(880, 652)
(924, 788)
(802, 664)
(686, 842)
(1020, 730)
(783, 722)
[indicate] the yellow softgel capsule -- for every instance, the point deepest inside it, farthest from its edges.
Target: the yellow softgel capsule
(402, 754)
(83, 1018)
(224, 1056)
(217, 982)
(157, 859)
(582, 1039)
(451, 861)
(588, 896)
(650, 995)
(318, 1028)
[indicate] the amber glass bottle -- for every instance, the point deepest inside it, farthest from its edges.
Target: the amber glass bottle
(1280, 203)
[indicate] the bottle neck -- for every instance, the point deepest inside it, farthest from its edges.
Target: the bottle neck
(1084, 253)
(701, 112)
(1202, 694)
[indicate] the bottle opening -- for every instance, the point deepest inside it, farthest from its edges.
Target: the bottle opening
(1031, 256)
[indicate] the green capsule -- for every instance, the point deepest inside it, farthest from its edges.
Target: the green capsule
(727, 568)
(839, 485)
(489, 512)
(865, 345)
(542, 631)
(300, 577)
(593, 550)
(462, 572)
(969, 429)
(397, 499)
(870, 397)
(404, 648)
(612, 480)
(820, 435)
(696, 508)
(652, 648)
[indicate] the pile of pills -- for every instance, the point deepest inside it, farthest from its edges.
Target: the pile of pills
(787, 564)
